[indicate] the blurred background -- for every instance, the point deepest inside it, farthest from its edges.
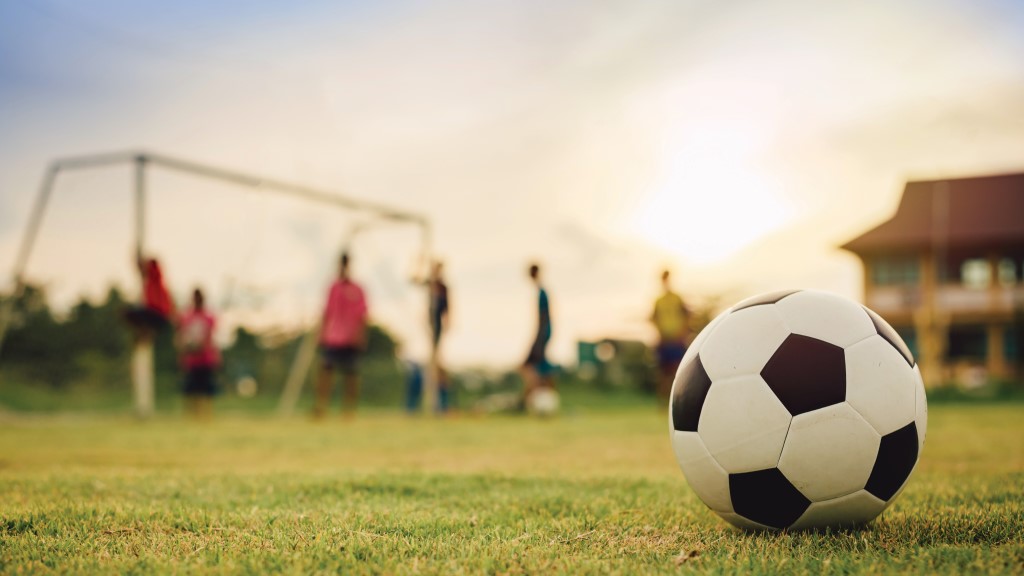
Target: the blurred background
(873, 149)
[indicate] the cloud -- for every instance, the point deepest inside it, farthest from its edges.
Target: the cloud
(523, 129)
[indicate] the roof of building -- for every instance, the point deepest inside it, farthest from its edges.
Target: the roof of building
(980, 211)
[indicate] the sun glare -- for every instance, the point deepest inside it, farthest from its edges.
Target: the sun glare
(710, 201)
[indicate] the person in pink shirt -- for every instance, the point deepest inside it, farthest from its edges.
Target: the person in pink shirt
(199, 356)
(342, 339)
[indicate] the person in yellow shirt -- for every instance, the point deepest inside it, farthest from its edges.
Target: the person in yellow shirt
(671, 319)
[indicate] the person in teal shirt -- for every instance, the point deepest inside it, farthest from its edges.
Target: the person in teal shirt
(537, 371)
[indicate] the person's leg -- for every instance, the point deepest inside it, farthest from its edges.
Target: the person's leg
(351, 395)
(531, 380)
(188, 391)
(545, 371)
(548, 380)
(665, 377)
(413, 388)
(323, 390)
(350, 368)
(669, 357)
(433, 373)
(205, 407)
(531, 370)
(442, 392)
(206, 397)
(432, 394)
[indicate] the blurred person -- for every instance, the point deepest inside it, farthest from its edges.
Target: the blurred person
(536, 370)
(413, 385)
(438, 311)
(413, 372)
(154, 314)
(414, 381)
(156, 311)
(342, 340)
(439, 305)
(438, 314)
(671, 319)
(200, 358)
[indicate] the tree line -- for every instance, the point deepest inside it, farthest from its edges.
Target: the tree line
(89, 345)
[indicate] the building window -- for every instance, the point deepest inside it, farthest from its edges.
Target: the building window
(967, 343)
(891, 270)
(1007, 272)
(1013, 346)
(976, 273)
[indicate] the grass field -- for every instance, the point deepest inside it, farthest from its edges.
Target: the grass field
(593, 492)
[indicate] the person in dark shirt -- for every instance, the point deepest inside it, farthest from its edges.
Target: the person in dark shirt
(537, 370)
(438, 303)
(438, 308)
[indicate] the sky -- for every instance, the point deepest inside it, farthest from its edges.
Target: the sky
(736, 143)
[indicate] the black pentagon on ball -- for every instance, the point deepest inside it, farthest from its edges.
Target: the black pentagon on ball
(806, 374)
(897, 455)
(767, 497)
(692, 385)
(890, 335)
(763, 299)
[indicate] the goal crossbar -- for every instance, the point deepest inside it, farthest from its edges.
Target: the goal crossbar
(141, 160)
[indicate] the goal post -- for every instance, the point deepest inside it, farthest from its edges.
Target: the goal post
(140, 161)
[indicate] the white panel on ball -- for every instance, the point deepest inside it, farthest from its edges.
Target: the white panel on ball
(880, 384)
(829, 452)
(921, 417)
(743, 424)
(741, 522)
(743, 342)
(698, 342)
(708, 480)
(827, 317)
(693, 349)
(850, 510)
(691, 354)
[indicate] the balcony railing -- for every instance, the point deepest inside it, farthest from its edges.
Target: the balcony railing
(950, 298)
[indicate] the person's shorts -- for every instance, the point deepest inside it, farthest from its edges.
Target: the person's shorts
(144, 317)
(199, 381)
(342, 358)
(538, 353)
(670, 354)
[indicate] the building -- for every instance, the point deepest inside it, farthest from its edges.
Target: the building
(947, 271)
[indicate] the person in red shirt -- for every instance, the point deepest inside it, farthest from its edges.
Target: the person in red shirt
(153, 315)
(199, 356)
(157, 298)
(342, 339)
(156, 311)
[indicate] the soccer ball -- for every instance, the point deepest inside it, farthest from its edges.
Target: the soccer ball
(798, 409)
(543, 402)
(247, 386)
